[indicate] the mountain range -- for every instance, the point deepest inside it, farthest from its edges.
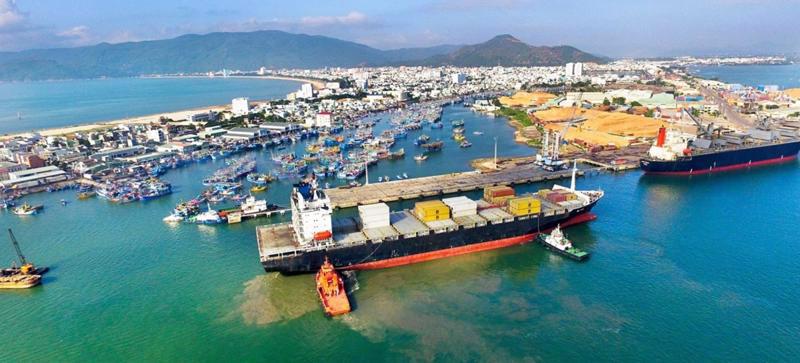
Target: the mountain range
(269, 48)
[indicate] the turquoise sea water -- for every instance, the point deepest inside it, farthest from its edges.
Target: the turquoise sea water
(785, 76)
(64, 103)
(682, 269)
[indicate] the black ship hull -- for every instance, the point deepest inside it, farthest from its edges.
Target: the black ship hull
(723, 160)
(402, 251)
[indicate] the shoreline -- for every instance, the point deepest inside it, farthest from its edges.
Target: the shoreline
(150, 118)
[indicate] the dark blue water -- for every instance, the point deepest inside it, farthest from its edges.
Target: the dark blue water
(785, 76)
(65, 103)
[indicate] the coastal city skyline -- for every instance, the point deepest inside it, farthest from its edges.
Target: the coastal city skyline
(614, 29)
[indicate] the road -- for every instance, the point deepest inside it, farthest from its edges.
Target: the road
(726, 110)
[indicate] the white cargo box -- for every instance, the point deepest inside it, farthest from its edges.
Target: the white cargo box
(470, 221)
(496, 215)
(442, 225)
(407, 225)
(381, 233)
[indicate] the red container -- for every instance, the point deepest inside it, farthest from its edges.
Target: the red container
(556, 197)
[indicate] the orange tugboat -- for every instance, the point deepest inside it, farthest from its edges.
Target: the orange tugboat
(332, 293)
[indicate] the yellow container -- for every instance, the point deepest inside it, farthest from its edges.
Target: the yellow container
(524, 203)
(543, 192)
(433, 210)
(500, 200)
(524, 212)
(571, 196)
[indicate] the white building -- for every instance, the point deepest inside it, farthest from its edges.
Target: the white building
(34, 177)
(333, 85)
(574, 70)
(240, 106)
(306, 91)
(324, 119)
(458, 78)
(245, 133)
(156, 135)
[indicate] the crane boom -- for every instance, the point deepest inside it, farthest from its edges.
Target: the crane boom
(16, 247)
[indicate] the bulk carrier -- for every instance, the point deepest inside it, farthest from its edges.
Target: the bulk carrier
(380, 238)
(717, 149)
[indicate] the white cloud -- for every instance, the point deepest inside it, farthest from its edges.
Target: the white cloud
(11, 18)
(352, 18)
(78, 35)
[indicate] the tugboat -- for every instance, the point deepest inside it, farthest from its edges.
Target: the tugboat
(558, 243)
(332, 293)
(23, 277)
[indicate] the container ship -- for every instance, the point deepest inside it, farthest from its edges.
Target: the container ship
(380, 238)
(717, 149)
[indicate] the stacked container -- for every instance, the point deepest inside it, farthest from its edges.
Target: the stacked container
(498, 195)
(523, 206)
(374, 215)
(432, 210)
(461, 206)
(556, 197)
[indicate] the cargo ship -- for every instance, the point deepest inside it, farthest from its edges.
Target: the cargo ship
(717, 149)
(380, 238)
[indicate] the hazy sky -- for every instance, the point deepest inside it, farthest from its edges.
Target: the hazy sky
(612, 28)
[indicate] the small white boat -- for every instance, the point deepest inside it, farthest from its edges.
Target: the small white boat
(477, 133)
(421, 157)
(173, 218)
(208, 217)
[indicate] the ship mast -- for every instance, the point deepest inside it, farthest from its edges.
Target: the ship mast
(574, 172)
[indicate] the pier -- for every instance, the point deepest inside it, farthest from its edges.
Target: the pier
(415, 188)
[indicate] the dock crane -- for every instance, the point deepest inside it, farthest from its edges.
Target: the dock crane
(549, 158)
(27, 268)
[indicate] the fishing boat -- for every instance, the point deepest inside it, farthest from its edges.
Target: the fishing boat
(433, 146)
(437, 125)
(399, 154)
(421, 157)
(558, 243)
(331, 290)
(457, 123)
(27, 209)
(258, 188)
(86, 194)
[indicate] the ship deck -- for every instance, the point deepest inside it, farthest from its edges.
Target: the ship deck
(278, 240)
(275, 240)
(415, 188)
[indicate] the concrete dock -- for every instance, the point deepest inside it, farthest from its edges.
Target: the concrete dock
(439, 185)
